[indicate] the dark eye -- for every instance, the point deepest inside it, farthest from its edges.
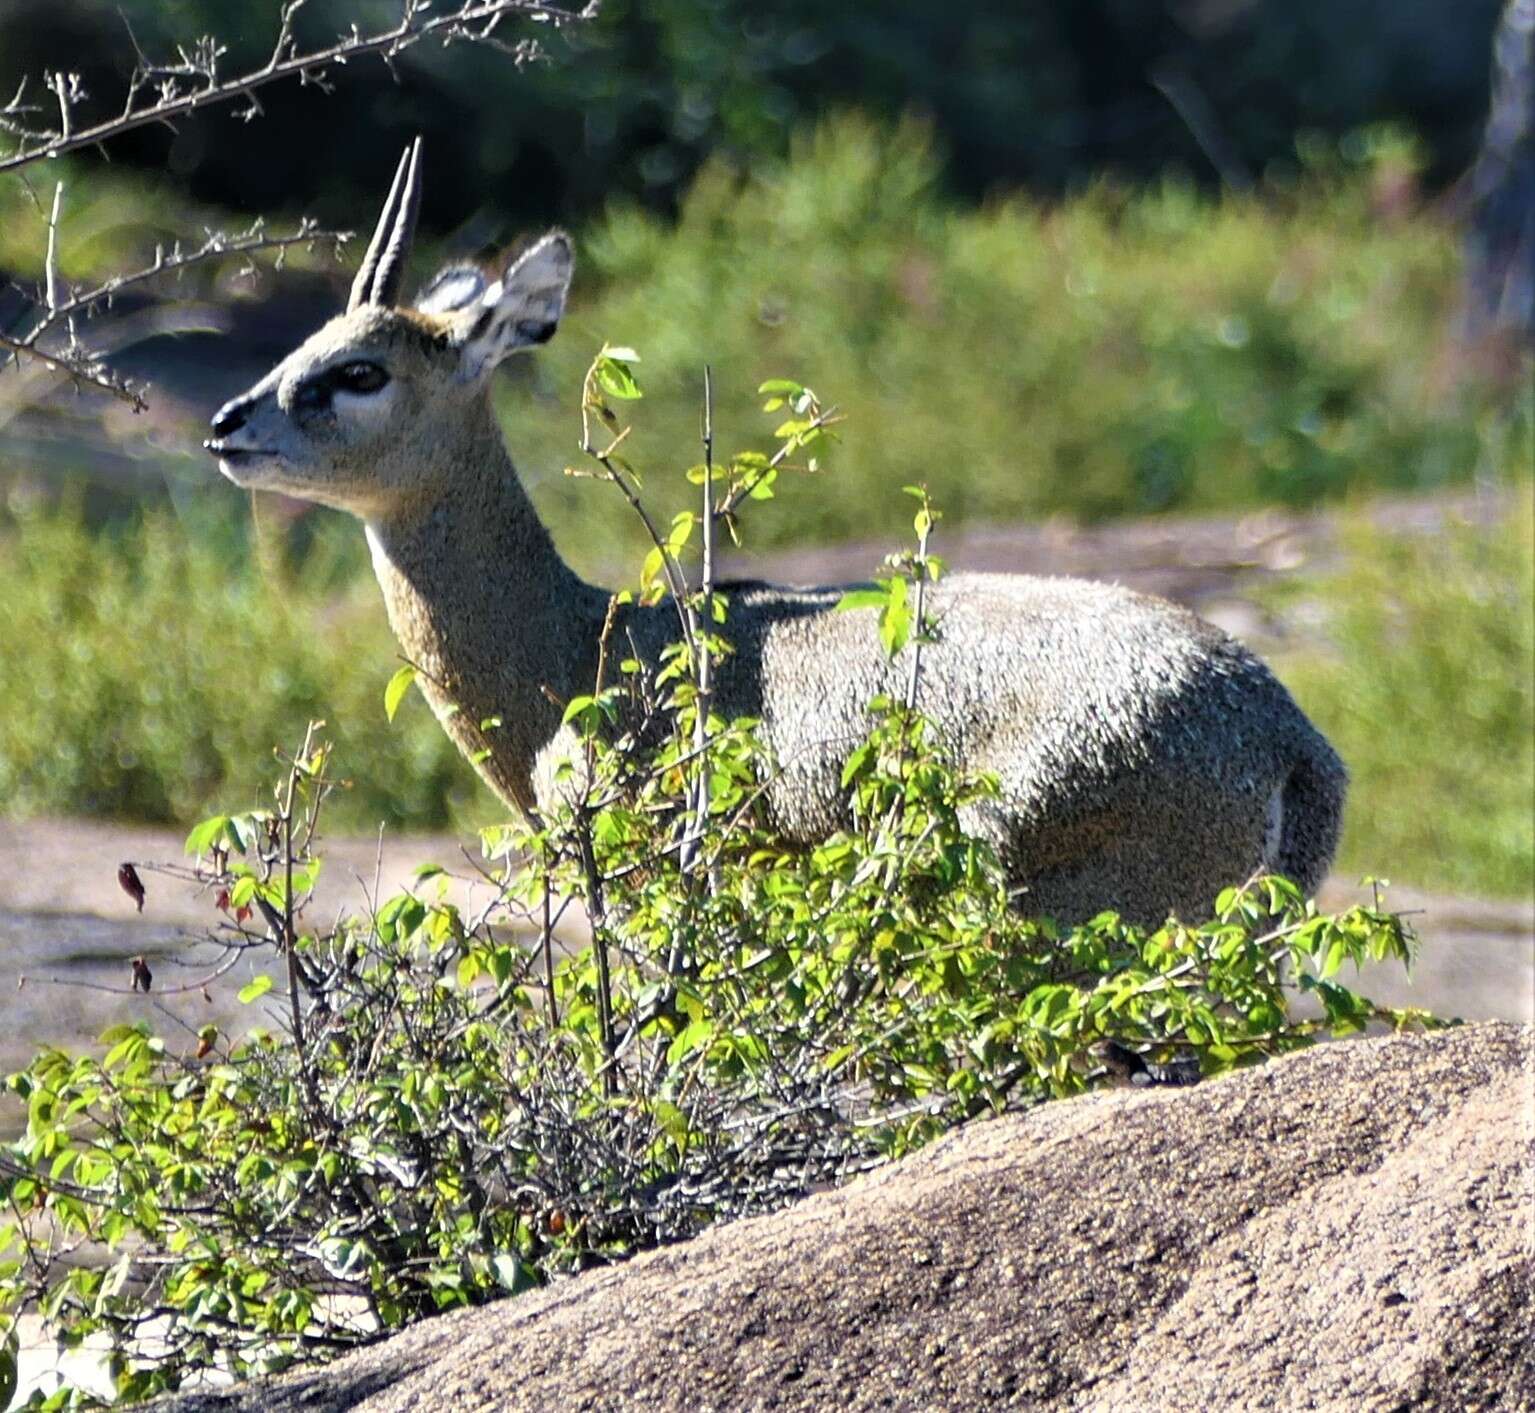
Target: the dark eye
(358, 377)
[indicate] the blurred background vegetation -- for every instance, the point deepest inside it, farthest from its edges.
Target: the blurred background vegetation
(1079, 260)
(1047, 96)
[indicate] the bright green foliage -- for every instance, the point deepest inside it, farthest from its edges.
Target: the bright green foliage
(1429, 697)
(160, 668)
(733, 1035)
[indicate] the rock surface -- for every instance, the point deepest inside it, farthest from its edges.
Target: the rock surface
(1346, 1228)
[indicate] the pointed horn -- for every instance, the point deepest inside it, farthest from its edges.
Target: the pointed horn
(390, 274)
(388, 218)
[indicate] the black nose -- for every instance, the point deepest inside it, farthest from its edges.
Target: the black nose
(230, 417)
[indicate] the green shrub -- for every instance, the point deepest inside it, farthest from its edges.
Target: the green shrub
(437, 1124)
(1429, 696)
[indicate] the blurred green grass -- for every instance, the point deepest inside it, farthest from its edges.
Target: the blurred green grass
(161, 669)
(1121, 353)
(1427, 689)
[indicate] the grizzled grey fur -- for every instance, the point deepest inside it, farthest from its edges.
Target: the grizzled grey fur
(1146, 759)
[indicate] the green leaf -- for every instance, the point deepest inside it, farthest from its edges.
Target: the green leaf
(401, 916)
(395, 692)
(621, 355)
(511, 1275)
(681, 531)
(861, 598)
(697, 1033)
(674, 1121)
(838, 1057)
(856, 762)
(616, 380)
(895, 620)
(255, 990)
(205, 835)
(651, 569)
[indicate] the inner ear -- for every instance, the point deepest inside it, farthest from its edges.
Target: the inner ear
(524, 333)
(451, 289)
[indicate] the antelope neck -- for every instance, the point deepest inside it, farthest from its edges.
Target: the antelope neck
(483, 604)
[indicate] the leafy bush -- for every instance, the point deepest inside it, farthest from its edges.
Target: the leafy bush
(441, 1114)
(1437, 638)
(436, 1125)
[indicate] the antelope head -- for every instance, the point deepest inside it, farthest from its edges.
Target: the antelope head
(367, 411)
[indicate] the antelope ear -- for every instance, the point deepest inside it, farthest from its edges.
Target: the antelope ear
(520, 310)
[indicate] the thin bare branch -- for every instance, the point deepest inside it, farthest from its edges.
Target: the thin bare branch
(83, 366)
(82, 373)
(216, 245)
(192, 82)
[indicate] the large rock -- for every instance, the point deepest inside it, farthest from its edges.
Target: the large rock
(1346, 1228)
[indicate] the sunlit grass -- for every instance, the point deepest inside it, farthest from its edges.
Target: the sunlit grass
(150, 674)
(1115, 354)
(1428, 692)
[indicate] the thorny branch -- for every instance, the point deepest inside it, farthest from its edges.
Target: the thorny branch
(81, 364)
(164, 91)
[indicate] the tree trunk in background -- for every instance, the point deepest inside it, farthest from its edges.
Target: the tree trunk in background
(1501, 247)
